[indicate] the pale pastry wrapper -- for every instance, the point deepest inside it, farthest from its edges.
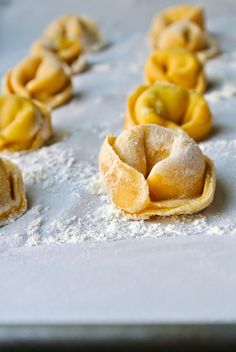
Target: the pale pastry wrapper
(52, 87)
(212, 49)
(15, 203)
(209, 45)
(114, 170)
(72, 67)
(79, 27)
(41, 125)
(172, 14)
(162, 62)
(198, 130)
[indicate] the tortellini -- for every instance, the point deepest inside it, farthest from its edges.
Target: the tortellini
(151, 170)
(13, 202)
(69, 38)
(79, 28)
(171, 106)
(183, 26)
(40, 77)
(193, 13)
(24, 124)
(68, 50)
(176, 65)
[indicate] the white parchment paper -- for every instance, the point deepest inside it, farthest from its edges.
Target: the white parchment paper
(72, 257)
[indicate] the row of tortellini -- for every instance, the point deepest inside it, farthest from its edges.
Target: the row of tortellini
(45, 74)
(39, 83)
(155, 167)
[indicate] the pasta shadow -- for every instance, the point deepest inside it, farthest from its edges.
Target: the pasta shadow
(213, 84)
(221, 200)
(216, 130)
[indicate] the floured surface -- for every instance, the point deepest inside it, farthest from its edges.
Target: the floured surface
(67, 202)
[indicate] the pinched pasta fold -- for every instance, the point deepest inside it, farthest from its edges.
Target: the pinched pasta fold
(13, 202)
(68, 50)
(171, 106)
(183, 26)
(178, 66)
(150, 170)
(165, 18)
(40, 77)
(78, 28)
(24, 124)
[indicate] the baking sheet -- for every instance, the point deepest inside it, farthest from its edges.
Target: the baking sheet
(72, 252)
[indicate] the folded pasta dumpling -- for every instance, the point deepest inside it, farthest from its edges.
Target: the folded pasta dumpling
(24, 124)
(193, 13)
(68, 50)
(176, 65)
(13, 202)
(171, 106)
(151, 170)
(40, 77)
(76, 27)
(186, 34)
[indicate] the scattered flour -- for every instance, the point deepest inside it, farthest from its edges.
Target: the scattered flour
(107, 223)
(33, 228)
(102, 68)
(222, 148)
(55, 167)
(227, 91)
(96, 185)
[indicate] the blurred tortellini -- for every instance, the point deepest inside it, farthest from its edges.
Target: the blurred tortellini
(13, 202)
(150, 170)
(40, 77)
(176, 65)
(165, 18)
(183, 26)
(171, 106)
(68, 50)
(76, 27)
(70, 37)
(24, 124)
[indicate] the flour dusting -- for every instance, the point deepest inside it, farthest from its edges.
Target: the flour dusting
(57, 167)
(67, 198)
(227, 91)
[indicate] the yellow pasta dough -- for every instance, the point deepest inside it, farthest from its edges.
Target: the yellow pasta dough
(165, 18)
(68, 50)
(186, 34)
(24, 124)
(40, 77)
(151, 170)
(171, 106)
(79, 28)
(176, 65)
(13, 202)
